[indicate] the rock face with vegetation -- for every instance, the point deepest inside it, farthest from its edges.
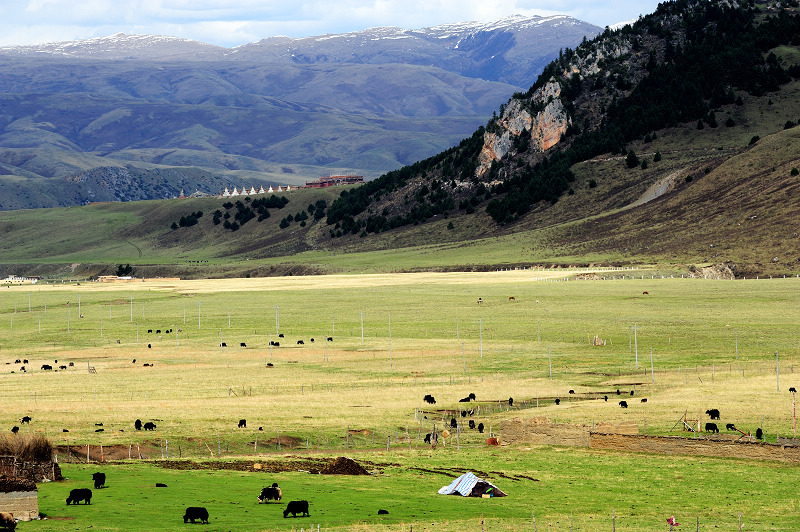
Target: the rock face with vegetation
(678, 65)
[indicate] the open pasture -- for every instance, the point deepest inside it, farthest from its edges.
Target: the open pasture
(713, 343)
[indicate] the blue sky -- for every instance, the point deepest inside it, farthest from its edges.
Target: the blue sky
(234, 22)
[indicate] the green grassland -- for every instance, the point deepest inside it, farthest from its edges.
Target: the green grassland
(713, 343)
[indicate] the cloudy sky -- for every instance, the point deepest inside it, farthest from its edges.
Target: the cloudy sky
(234, 22)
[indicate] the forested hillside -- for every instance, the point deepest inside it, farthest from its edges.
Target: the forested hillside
(678, 65)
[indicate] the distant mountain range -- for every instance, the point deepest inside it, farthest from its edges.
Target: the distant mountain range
(280, 110)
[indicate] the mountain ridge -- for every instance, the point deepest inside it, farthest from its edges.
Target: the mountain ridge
(255, 112)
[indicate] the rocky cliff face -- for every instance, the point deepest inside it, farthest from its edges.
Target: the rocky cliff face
(544, 129)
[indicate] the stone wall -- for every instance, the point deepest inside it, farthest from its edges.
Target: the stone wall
(675, 445)
(36, 471)
(19, 497)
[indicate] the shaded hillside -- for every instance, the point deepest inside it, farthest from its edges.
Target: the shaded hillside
(681, 64)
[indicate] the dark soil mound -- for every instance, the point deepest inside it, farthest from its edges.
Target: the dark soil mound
(343, 466)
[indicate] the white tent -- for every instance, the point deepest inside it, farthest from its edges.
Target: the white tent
(468, 485)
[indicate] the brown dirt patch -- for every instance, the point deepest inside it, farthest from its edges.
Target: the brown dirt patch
(344, 466)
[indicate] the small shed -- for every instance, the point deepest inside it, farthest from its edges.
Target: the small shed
(19, 497)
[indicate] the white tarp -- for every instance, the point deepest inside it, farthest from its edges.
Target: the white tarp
(462, 485)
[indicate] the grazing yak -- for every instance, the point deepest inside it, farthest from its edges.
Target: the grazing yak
(14, 429)
(46, 367)
(329, 339)
(300, 342)
(149, 426)
(792, 390)
(196, 512)
(480, 428)
(7, 521)
(713, 413)
(605, 398)
(160, 485)
(644, 400)
(572, 392)
(453, 423)
(80, 494)
(383, 512)
(472, 423)
(429, 399)
(623, 404)
(242, 344)
(99, 480)
(280, 335)
(510, 401)
(759, 434)
(296, 507)
(271, 493)
(25, 419)
(712, 427)
(558, 401)
(137, 424)
(467, 399)
(242, 423)
(730, 426)
(223, 344)
(428, 437)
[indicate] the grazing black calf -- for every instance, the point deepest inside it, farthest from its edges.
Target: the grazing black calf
(14, 429)
(453, 423)
(242, 423)
(631, 393)
(242, 344)
(618, 392)
(330, 339)
(792, 390)
(149, 346)
(605, 398)
(713, 413)
(71, 364)
(24, 360)
(280, 335)
(572, 391)
(98, 424)
(644, 400)
(510, 401)
(463, 413)
(158, 331)
(196, 512)
(712, 427)
(271, 493)
(160, 485)
(100, 430)
(133, 361)
(137, 424)
(480, 428)
(623, 404)
(300, 342)
(429, 399)
(149, 426)
(223, 344)
(312, 340)
(759, 434)
(150, 331)
(99, 480)
(25, 419)
(427, 438)
(296, 507)
(383, 512)
(472, 423)
(80, 494)
(558, 401)
(730, 426)
(46, 367)
(269, 364)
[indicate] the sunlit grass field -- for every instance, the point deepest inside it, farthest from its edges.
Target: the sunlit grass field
(714, 345)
